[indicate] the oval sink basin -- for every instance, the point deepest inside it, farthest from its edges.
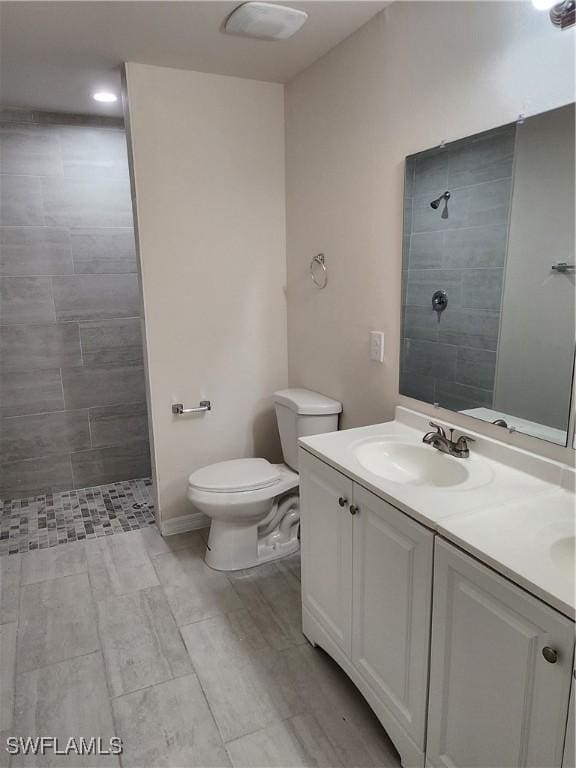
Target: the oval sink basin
(562, 554)
(411, 463)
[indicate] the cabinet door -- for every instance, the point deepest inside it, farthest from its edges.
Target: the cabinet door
(326, 547)
(393, 558)
(569, 759)
(494, 699)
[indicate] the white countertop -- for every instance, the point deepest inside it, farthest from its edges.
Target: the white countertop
(527, 540)
(519, 518)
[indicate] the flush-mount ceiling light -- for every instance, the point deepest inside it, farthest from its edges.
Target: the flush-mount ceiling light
(562, 12)
(105, 96)
(267, 21)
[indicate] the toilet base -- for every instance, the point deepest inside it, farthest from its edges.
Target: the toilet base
(267, 553)
(233, 546)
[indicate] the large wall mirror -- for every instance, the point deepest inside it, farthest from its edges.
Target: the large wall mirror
(488, 275)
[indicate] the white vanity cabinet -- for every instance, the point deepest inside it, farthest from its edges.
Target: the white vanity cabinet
(495, 699)
(463, 668)
(366, 591)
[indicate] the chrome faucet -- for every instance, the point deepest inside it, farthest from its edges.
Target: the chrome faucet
(439, 440)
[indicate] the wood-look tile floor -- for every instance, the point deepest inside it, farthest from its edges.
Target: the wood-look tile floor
(134, 636)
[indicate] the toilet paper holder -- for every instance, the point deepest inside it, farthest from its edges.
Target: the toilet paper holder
(178, 408)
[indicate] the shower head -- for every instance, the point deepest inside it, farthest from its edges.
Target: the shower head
(435, 203)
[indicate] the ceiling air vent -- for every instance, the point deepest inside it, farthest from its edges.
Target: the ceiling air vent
(266, 21)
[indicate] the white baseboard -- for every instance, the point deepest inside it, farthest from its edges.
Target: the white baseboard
(191, 522)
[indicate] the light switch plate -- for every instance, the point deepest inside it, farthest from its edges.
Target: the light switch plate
(377, 346)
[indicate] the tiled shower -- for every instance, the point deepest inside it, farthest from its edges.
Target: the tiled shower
(451, 359)
(72, 387)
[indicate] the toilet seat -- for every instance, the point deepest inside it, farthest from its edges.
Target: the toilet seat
(236, 476)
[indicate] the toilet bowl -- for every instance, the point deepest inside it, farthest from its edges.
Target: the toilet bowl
(253, 504)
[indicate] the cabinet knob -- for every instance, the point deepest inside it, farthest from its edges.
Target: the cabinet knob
(550, 654)
(354, 510)
(342, 501)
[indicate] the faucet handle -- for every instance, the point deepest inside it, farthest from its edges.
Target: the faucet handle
(438, 428)
(460, 447)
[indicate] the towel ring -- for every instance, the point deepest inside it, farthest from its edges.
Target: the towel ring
(321, 260)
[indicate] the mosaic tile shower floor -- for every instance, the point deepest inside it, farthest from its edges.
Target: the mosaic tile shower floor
(39, 522)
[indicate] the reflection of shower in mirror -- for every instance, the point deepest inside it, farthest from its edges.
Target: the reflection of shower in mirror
(503, 348)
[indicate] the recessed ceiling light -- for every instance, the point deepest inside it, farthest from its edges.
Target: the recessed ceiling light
(105, 96)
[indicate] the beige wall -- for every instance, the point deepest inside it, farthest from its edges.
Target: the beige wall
(415, 75)
(208, 171)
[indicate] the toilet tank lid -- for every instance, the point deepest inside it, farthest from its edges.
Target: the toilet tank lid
(306, 402)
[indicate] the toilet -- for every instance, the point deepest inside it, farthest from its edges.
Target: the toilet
(253, 504)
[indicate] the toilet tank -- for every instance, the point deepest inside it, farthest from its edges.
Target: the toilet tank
(301, 412)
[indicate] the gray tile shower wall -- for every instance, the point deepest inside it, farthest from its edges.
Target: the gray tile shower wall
(72, 397)
(451, 360)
